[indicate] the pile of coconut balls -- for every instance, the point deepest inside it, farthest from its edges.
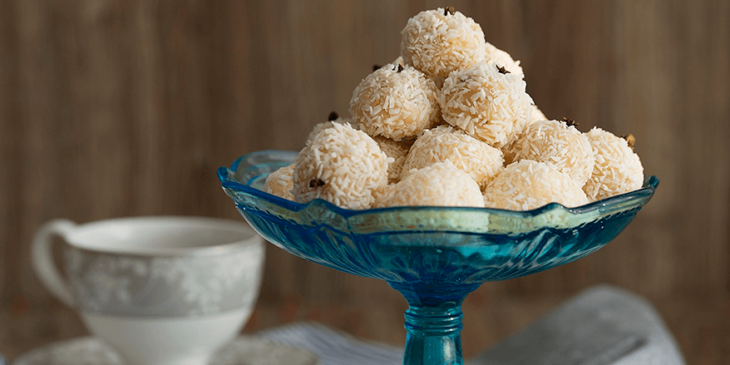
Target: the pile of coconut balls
(449, 124)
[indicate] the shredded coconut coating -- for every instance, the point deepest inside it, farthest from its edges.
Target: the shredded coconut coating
(438, 44)
(617, 169)
(558, 145)
(398, 152)
(486, 103)
(395, 102)
(280, 183)
(478, 159)
(502, 58)
(324, 125)
(530, 184)
(439, 184)
(342, 166)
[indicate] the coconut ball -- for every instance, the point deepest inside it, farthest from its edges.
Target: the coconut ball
(617, 169)
(530, 184)
(331, 120)
(395, 102)
(487, 102)
(440, 41)
(502, 58)
(342, 166)
(478, 159)
(558, 144)
(398, 152)
(280, 183)
(439, 184)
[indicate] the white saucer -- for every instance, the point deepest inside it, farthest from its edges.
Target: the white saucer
(92, 351)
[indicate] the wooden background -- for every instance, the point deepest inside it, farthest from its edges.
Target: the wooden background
(115, 108)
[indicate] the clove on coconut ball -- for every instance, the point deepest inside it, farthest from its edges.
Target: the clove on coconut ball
(395, 102)
(617, 169)
(502, 58)
(438, 42)
(558, 144)
(398, 152)
(478, 159)
(439, 184)
(342, 166)
(331, 120)
(280, 183)
(487, 102)
(527, 184)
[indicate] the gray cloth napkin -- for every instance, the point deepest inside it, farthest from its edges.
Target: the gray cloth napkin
(601, 326)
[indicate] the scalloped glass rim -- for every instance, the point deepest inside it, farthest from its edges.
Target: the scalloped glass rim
(459, 219)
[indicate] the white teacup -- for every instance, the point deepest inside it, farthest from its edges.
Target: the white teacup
(161, 290)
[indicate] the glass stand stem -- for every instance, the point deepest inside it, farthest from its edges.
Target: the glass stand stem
(434, 337)
(433, 322)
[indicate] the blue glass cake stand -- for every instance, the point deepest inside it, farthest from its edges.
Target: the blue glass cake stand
(434, 256)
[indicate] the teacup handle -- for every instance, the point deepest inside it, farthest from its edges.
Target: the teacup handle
(43, 263)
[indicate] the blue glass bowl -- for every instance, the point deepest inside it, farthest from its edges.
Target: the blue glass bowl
(434, 256)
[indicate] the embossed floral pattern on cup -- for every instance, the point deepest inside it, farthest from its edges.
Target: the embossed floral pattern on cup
(163, 286)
